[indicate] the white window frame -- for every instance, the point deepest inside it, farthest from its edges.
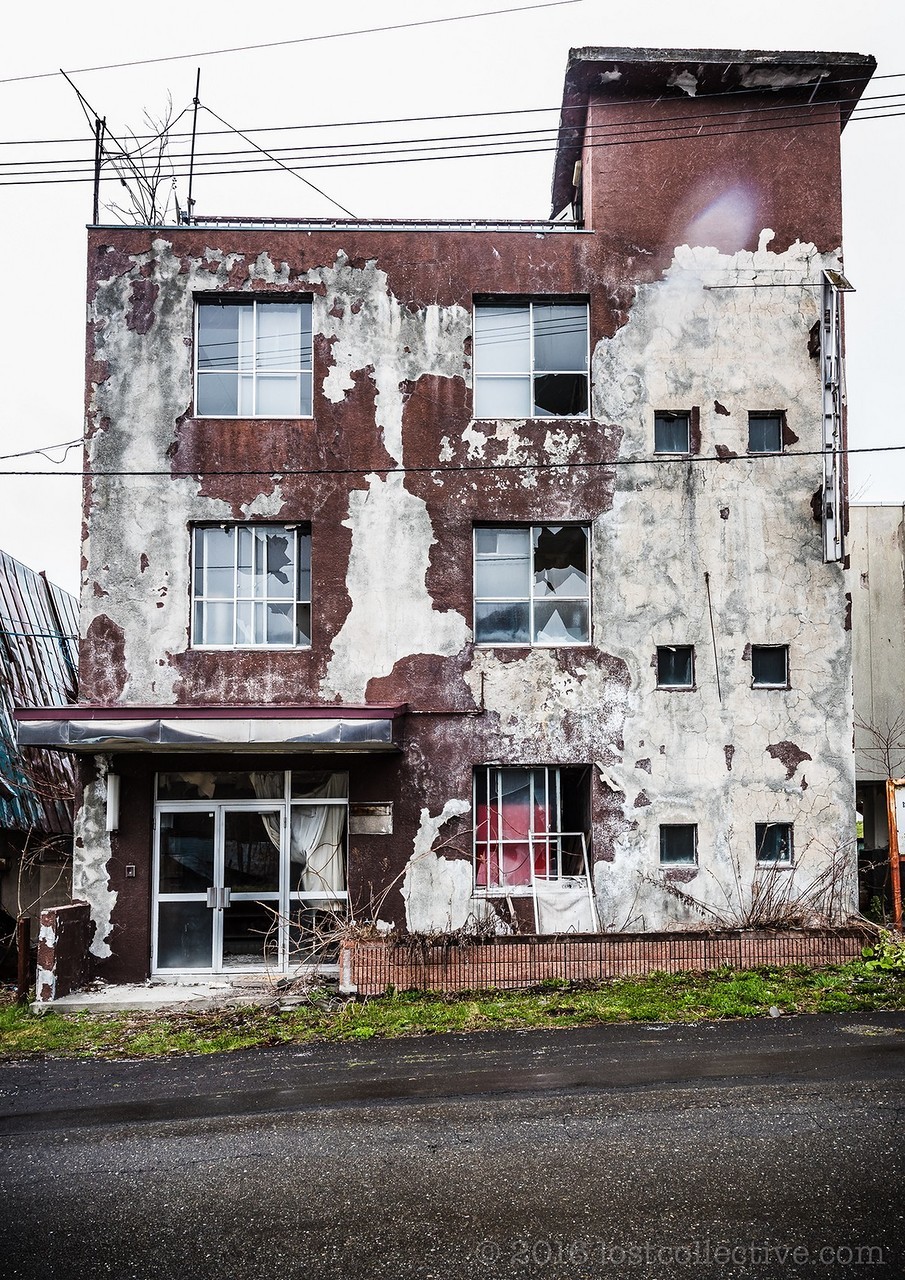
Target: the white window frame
(755, 415)
(501, 304)
(691, 686)
(298, 531)
(252, 305)
(530, 643)
(550, 839)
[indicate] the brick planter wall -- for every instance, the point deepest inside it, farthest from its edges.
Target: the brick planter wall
(368, 968)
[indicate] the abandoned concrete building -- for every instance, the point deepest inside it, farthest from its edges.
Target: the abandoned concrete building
(477, 575)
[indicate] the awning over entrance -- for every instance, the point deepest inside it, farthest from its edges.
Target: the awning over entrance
(252, 729)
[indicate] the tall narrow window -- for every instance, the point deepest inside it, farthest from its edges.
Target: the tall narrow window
(531, 360)
(251, 586)
(254, 359)
(532, 585)
(765, 432)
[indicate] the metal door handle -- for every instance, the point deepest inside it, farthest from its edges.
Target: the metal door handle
(218, 898)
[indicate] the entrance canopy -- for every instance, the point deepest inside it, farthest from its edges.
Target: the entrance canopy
(186, 728)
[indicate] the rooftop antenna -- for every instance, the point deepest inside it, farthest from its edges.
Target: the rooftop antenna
(190, 203)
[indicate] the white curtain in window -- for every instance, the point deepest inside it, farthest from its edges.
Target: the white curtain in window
(316, 839)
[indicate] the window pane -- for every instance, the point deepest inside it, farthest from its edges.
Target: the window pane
(305, 395)
(217, 623)
(671, 433)
(675, 666)
(245, 622)
(764, 433)
(218, 337)
(503, 563)
(185, 932)
(560, 395)
(217, 394)
(560, 561)
(278, 397)
(561, 337)
(564, 622)
(303, 624)
(251, 852)
(279, 555)
(251, 934)
(769, 665)
(678, 843)
(280, 628)
(217, 555)
(502, 340)
(502, 397)
(304, 570)
(279, 336)
(186, 863)
(247, 337)
(501, 623)
(246, 396)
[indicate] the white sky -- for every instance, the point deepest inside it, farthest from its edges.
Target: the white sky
(486, 64)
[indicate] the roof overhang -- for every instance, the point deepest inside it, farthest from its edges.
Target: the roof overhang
(838, 78)
(94, 730)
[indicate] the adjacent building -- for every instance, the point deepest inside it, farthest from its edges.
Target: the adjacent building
(478, 576)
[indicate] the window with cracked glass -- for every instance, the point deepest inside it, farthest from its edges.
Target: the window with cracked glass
(251, 586)
(254, 359)
(532, 585)
(531, 360)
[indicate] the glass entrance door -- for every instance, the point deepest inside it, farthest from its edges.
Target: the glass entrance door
(218, 888)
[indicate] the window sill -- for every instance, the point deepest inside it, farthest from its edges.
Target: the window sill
(774, 687)
(527, 646)
(677, 688)
(249, 648)
(251, 417)
(774, 866)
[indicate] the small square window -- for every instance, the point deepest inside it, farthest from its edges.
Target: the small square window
(531, 360)
(254, 359)
(532, 585)
(672, 432)
(770, 666)
(679, 844)
(765, 432)
(773, 842)
(675, 666)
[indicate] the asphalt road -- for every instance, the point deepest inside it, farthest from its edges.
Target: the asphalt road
(752, 1149)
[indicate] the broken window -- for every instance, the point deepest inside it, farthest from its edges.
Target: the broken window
(530, 825)
(765, 432)
(532, 585)
(254, 359)
(679, 843)
(770, 666)
(672, 432)
(675, 666)
(531, 360)
(251, 586)
(773, 842)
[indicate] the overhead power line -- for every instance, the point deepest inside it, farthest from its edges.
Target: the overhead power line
(279, 44)
(692, 133)
(545, 465)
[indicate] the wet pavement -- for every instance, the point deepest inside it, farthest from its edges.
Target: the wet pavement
(766, 1148)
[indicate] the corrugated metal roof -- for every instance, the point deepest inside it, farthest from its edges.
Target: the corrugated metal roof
(38, 667)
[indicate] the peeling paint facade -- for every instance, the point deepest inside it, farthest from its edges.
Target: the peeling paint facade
(700, 262)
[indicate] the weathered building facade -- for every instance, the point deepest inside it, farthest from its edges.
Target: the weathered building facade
(477, 575)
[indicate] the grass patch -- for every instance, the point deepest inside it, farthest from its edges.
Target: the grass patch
(659, 997)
